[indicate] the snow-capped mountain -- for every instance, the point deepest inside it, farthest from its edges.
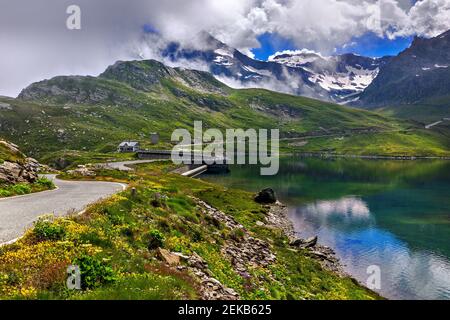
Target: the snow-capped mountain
(306, 73)
(343, 76)
(238, 70)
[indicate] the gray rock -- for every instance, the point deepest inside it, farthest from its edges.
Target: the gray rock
(304, 244)
(13, 172)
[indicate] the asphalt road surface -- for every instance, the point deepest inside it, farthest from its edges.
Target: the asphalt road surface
(126, 165)
(18, 214)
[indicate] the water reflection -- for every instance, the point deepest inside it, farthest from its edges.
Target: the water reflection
(348, 226)
(388, 213)
(347, 208)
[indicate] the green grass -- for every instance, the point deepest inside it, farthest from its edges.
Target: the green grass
(51, 127)
(112, 238)
(400, 143)
(41, 184)
(423, 113)
(149, 286)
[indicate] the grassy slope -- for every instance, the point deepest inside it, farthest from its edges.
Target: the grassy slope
(423, 113)
(114, 233)
(45, 129)
(402, 143)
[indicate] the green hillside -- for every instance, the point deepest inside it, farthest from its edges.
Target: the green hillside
(422, 113)
(133, 99)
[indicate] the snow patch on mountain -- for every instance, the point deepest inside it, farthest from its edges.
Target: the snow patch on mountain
(353, 80)
(224, 52)
(343, 76)
(300, 72)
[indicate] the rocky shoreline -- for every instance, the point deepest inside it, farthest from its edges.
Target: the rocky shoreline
(278, 218)
(244, 251)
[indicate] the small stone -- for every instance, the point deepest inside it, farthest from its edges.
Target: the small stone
(168, 257)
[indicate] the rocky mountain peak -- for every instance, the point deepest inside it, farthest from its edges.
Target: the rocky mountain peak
(141, 75)
(419, 74)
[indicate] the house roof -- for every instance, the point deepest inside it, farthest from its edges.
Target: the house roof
(129, 144)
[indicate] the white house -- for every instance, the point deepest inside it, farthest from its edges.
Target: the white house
(128, 146)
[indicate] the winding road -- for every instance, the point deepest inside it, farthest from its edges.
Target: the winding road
(17, 214)
(126, 165)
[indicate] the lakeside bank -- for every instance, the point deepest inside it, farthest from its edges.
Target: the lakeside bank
(221, 237)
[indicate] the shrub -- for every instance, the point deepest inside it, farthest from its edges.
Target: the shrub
(45, 183)
(197, 235)
(5, 193)
(155, 240)
(46, 229)
(21, 189)
(94, 272)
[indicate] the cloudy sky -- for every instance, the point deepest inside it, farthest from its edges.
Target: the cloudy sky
(35, 43)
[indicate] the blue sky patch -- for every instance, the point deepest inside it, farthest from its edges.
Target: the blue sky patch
(371, 45)
(368, 45)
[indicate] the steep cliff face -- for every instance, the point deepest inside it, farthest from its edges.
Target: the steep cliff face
(15, 167)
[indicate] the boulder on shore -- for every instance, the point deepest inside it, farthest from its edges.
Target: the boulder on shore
(266, 196)
(304, 244)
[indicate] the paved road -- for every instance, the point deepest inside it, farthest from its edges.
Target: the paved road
(436, 123)
(125, 165)
(18, 214)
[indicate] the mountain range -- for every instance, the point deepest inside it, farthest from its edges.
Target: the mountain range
(84, 118)
(414, 84)
(419, 76)
(306, 73)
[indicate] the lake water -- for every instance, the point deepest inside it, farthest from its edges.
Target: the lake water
(391, 214)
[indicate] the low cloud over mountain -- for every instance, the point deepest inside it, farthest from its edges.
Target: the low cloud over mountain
(36, 43)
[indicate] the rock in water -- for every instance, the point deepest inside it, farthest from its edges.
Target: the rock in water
(266, 196)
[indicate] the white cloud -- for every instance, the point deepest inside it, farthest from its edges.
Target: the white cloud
(427, 18)
(295, 52)
(35, 43)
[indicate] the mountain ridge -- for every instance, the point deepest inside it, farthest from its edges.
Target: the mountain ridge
(418, 75)
(87, 116)
(335, 83)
